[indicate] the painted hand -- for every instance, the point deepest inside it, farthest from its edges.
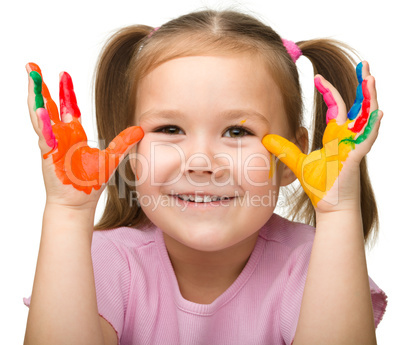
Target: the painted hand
(347, 138)
(63, 139)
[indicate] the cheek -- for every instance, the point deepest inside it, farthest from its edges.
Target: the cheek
(257, 168)
(157, 162)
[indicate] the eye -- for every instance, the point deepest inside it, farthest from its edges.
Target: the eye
(236, 132)
(170, 129)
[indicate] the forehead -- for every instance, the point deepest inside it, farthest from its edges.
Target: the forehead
(200, 84)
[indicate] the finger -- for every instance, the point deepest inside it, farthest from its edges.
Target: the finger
(35, 98)
(32, 97)
(285, 150)
(50, 105)
(366, 139)
(371, 87)
(45, 128)
(370, 133)
(369, 103)
(336, 106)
(355, 109)
(365, 110)
(117, 149)
(125, 140)
(68, 101)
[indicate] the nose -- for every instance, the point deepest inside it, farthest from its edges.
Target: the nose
(205, 160)
(199, 163)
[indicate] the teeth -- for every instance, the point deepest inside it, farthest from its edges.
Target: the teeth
(200, 198)
(207, 198)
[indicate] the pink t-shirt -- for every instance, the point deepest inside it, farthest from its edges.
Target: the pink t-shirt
(138, 293)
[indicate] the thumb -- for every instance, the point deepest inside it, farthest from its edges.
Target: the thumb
(117, 149)
(125, 140)
(285, 150)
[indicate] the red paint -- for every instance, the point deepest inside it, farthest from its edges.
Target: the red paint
(365, 112)
(68, 101)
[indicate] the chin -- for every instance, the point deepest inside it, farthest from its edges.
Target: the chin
(209, 239)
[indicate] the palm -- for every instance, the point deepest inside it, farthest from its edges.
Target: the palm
(318, 171)
(63, 140)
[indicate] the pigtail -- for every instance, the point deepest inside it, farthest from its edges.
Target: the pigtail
(333, 61)
(113, 87)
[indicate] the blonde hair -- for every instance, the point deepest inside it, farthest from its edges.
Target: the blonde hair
(132, 53)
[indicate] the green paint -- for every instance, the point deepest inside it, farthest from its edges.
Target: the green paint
(37, 79)
(367, 130)
(350, 141)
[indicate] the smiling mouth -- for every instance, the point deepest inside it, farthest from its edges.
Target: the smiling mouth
(201, 198)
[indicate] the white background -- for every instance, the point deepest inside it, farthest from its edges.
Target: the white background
(69, 35)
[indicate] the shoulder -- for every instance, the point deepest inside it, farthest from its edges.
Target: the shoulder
(287, 234)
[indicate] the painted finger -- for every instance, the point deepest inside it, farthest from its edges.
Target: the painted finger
(374, 119)
(125, 140)
(355, 109)
(35, 97)
(285, 150)
(68, 101)
(49, 104)
(117, 150)
(49, 143)
(368, 106)
(370, 133)
(336, 106)
(32, 90)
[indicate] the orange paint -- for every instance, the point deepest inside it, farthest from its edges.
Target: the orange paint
(76, 163)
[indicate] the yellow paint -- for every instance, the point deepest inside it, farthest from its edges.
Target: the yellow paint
(318, 171)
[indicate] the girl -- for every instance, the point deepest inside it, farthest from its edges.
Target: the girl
(194, 253)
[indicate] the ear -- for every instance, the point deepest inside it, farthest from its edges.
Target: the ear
(301, 140)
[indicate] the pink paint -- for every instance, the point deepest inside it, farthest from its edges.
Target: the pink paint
(329, 99)
(47, 128)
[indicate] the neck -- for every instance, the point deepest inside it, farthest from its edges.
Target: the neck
(204, 276)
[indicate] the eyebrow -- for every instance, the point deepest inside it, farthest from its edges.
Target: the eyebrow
(232, 114)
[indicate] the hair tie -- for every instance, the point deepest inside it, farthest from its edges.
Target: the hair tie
(148, 36)
(152, 32)
(293, 49)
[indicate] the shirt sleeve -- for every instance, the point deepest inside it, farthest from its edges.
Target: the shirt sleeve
(293, 294)
(112, 280)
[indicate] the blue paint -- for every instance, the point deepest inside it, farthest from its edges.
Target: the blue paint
(354, 111)
(359, 70)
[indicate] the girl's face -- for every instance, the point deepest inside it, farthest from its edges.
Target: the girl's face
(203, 175)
